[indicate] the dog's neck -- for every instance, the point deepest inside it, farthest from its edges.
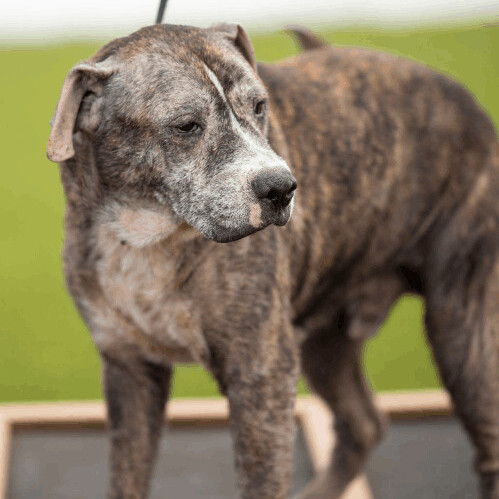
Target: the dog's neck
(142, 223)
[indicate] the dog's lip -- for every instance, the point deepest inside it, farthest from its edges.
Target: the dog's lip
(282, 219)
(278, 217)
(272, 215)
(269, 217)
(228, 236)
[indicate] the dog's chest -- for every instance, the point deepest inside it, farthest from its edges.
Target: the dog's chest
(142, 285)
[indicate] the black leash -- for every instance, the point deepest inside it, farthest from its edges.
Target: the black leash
(161, 11)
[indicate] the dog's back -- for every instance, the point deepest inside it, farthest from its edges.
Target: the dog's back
(395, 150)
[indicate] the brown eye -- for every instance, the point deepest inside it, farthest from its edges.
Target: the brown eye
(259, 108)
(188, 127)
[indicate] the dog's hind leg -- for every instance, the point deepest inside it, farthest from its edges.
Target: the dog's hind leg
(462, 318)
(136, 394)
(331, 364)
(463, 326)
(331, 361)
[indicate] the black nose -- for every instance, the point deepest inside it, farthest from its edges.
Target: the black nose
(276, 186)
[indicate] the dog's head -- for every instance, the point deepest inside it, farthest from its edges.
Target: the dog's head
(178, 118)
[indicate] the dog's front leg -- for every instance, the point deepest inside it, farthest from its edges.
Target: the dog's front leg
(261, 388)
(136, 393)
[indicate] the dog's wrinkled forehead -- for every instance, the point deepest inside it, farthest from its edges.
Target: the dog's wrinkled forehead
(163, 70)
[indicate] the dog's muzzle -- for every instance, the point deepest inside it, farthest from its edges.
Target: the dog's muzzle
(273, 190)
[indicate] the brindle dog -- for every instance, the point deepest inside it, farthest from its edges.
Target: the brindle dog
(173, 140)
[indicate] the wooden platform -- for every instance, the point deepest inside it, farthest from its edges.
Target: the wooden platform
(313, 419)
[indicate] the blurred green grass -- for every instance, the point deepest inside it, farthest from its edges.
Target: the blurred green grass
(45, 351)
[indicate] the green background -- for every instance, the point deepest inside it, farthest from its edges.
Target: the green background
(45, 351)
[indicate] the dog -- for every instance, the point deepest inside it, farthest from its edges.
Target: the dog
(173, 140)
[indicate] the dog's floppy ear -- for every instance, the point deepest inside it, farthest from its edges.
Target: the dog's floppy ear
(85, 77)
(238, 36)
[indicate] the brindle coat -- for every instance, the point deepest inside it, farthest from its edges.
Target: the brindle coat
(162, 136)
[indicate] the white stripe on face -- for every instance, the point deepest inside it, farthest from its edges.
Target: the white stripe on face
(216, 82)
(273, 160)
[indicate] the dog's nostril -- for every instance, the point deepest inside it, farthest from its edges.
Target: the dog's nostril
(289, 196)
(275, 186)
(273, 196)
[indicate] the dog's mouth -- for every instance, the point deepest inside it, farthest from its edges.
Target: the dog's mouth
(225, 235)
(281, 217)
(267, 217)
(272, 215)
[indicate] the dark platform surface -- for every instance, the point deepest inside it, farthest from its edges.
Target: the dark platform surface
(193, 462)
(419, 459)
(429, 458)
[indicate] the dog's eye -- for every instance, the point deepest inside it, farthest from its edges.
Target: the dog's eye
(188, 127)
(259, 108)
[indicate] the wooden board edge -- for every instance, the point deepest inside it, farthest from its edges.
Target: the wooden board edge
(5, 445)
(413, 404)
